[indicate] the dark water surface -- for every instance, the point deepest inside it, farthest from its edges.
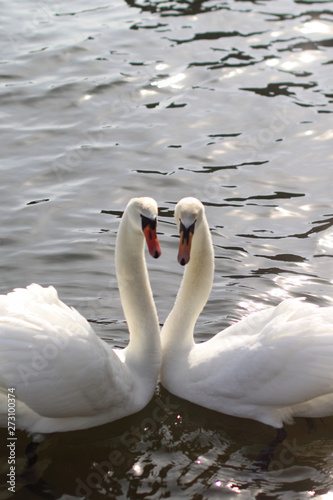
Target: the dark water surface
(229, 101)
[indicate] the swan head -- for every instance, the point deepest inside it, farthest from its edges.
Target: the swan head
(143, 212)
(189, 213)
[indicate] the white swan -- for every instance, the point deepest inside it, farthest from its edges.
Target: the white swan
(62, 375)
(274, 365)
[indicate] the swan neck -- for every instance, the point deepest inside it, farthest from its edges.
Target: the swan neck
(136, 295)
(193, 293)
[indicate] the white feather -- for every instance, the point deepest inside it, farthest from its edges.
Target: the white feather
(63, 375)
(271, 366)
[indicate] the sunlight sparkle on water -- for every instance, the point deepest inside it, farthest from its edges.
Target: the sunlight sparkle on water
(307, 58)
(250, 306)
(288, 283)
(289, 65)
(161, 66)
(295, 61)
(272, 62)
(137, 469)
(314, 27)
(86, 97)
(278, 293)
(326, 241)
(147, 92)
(233, 487)
(172, 81)
(232, 73)
(284, 211)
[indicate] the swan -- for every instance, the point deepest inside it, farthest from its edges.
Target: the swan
(59, 375)
(273, 365)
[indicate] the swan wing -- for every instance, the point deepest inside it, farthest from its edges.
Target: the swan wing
(279, 357)
(51, 356)
(292, 359)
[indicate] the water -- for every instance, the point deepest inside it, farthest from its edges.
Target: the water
(228, 101)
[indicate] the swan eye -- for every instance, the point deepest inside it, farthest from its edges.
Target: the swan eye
(187, 232)
(147, 222)
(149, 230)
(186, 235)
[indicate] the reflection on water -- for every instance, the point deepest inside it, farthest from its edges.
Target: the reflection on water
(175, 448)
(227, 101)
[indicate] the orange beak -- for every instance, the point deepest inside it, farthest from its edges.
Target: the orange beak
(186, 235)
(149, 230)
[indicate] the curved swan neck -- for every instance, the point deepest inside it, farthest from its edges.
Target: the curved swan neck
(136, 295)
(193, 293)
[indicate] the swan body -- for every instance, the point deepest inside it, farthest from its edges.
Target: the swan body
(62, 375)
(273, 365)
